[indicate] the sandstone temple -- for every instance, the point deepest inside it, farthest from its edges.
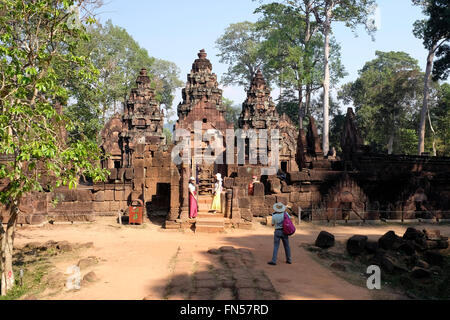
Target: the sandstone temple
(355, 185)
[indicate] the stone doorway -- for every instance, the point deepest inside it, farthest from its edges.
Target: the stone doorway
(160, 202)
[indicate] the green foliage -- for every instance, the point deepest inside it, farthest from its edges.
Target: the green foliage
(168, 134)
(119, 59)
(440, 117)
(291, 53)
(288, 104)
(435, 32)
(240, 48)
(387, 97)
(232, 113)
(37, 40)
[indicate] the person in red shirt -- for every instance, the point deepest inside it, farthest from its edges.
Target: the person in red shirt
(250, 186)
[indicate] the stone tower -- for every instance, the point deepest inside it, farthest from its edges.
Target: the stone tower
(259, 113)
(143, 121)
(202, 98)
(202, 105)
(258, 110)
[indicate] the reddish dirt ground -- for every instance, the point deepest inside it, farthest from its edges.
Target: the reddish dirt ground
(135, 260)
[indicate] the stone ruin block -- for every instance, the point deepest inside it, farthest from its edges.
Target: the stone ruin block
(139, 152)
(261, 211)
(159, 160)
(138, 183)
(228, 182)
(298, 176)
(119, 195)
(246, 214)
(165, 172)
(242, 182)
(138, 163)
(238, 192)
(269, 201)
(139, 173)
(285, 188)
(114, 206)
(35, 219)
(283, 199)
(294, 197)
(256, 201)
(101, 206)
(110, 186)
(244, 202)
(71, 207)
(121, 174)
(258, 189)
(129, 173)
(99, 196)
(108, 195)
(274, 185)
(153, 172)
(149, 182)
(84, 195)
(113, 174)
(100, 186)
(64, 195)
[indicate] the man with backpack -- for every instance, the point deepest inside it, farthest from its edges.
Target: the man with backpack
(283, 229)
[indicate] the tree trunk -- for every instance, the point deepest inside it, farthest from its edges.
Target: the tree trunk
(434, 135)
(300, 107)
(326, 84)
(308, 99)
(426, 97)
(7, 243)
(391, 144)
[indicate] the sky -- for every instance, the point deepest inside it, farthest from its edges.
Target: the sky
(175, 30)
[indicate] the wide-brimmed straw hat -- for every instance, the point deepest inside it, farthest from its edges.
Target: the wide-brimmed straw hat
(219, 176)
(279, 207)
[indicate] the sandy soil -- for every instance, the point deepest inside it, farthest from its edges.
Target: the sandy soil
(135, 260)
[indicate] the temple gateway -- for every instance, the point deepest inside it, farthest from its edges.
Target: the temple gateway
(358, 185)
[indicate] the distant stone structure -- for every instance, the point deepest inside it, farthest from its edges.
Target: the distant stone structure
(353, 185)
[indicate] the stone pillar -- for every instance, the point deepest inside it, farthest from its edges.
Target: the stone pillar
(229, 198)
(174, 195)
(184, 212)
(235, 211)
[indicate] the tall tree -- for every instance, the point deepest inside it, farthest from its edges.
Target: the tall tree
(233, 111)
(386, 96)
(35, 37)
(435, 32)
(240, 48)
(352, 13)
(120, 58)
(293, 48)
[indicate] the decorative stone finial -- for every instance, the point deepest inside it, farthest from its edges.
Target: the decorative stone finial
(202, 54)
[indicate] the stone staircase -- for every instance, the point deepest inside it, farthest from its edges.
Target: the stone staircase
(208, 221)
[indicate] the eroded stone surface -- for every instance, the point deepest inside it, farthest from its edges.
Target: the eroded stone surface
(234, 278)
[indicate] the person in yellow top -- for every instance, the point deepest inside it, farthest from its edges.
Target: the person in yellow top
(216, 204)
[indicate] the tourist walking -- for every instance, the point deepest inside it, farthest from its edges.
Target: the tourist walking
(193, 202)
(277, 221)
(217, 204)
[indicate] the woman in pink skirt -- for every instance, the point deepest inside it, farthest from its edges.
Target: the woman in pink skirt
(193, 205)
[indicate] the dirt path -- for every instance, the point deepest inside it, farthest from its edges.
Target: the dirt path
(138, 262)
